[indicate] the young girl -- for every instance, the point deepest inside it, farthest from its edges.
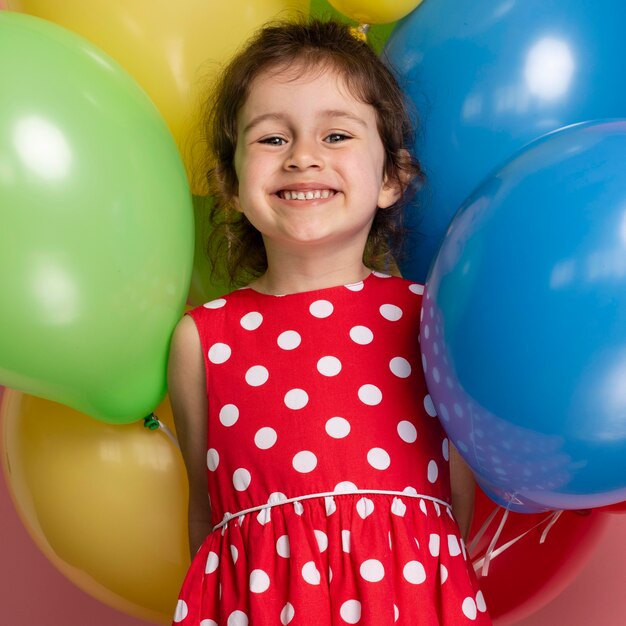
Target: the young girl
(328, 482)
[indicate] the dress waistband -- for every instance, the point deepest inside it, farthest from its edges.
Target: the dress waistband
(229, 516)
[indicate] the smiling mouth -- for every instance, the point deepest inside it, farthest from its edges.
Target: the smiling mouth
(309, 194)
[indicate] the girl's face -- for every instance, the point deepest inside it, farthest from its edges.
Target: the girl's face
(309, 160)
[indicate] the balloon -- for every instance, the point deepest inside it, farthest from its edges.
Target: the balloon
(377, 34)
(170, 48)
(529, 574)
(487, 78)
(375, 11)
(97, 226)
(523, 333)
(33, 591)
(105, 504)
(596, 596)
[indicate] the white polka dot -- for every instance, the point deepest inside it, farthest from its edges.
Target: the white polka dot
(400, 367)
(407, 431)
(410, 491)
(219, 353)
(264, 516)
(329, 503)
(212, 459)
(338, 427)
(361, 335)
(350, 611)
(265, 438)
(259, 581)
(370, 395)
(434, 544)
(311, 574)
(276, 497)
(424, 363)
(229, 414)
(296, 399)
(381, 275)
(391, 312)
(364, 507)
(286, 615)
(414, 572)
(330, 573)
(430, 406)
(372, 570)
(208, 622)
(212, 562)
(355, 286)
(469, 608)
(436, 375)
(426, 331)
(423, 507)
(241, 479)
(322, 539)
(181, 611)
(257, 375)
(298, 508)
(251, 321)
(215, 304)
(418, 289)
(237, 618)
(321, 308)
(454, 548)
(398, 507)
(445, 449)
(396, 613)
(283, 547)
(443, 572)
(234, 553)
(480, 602)
(345, 540)
(304, 462)
(378, 458)
(433, 471)
(345, 486)
(289, 340)
(329, 366)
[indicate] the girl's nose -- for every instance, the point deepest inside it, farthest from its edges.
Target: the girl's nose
(304, 154)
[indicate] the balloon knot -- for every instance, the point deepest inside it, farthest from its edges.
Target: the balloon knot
(151, 422)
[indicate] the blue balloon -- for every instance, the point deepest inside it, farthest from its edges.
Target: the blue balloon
(523, 333)
(489, 76)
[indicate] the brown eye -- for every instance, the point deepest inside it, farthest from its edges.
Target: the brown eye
(336, 138)
(273, 141)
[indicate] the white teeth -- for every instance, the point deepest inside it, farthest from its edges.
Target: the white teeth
(312, 194)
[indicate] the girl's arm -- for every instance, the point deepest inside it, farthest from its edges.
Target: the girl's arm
(187, 389)
(463, 485)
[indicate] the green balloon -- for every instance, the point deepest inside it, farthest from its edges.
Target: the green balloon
(96, 226)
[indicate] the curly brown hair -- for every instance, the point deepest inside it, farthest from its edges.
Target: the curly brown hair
(235, 247)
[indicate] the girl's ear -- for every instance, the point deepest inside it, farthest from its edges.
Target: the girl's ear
(393, 188)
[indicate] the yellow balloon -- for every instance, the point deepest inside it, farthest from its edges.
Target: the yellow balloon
(171, 48)
(105, 503)
(375, 11)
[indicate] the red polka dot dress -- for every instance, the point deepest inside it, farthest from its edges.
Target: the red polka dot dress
(327, 467)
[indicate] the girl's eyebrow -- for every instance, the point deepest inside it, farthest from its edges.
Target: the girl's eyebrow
(328, 113)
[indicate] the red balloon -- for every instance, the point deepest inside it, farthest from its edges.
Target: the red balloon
(529, 574)
(618, 507)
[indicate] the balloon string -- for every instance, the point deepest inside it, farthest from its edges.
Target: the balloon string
(478, 536)
(480, 563)
(492, 545)
(152, 422)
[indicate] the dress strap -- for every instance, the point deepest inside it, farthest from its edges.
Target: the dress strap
(324, 494)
